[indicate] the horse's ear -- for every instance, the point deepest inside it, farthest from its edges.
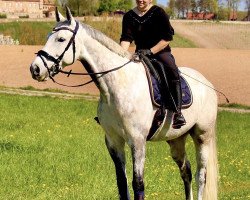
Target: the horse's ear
(68, 14)
(59, 16)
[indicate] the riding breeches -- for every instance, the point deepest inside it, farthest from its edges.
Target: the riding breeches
(170, 67)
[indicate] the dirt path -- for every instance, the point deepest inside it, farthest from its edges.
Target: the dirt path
(214, 35)
(228, 70)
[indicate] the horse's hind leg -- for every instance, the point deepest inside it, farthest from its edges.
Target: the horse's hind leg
(206, 156)
(178, 153)
(116, 151)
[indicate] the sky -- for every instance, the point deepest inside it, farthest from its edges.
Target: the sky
(164, 3)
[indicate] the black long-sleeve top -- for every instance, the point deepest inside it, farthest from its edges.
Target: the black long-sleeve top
(146, 31)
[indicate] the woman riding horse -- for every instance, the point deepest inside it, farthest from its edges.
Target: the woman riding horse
(149, 27)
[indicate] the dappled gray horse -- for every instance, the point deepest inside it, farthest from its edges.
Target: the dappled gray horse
(125, 109)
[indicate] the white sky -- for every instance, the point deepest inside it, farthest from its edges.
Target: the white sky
(164, 3)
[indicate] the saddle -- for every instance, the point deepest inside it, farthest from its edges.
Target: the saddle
(154, 70)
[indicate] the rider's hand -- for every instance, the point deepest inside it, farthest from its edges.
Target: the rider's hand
(145, 52)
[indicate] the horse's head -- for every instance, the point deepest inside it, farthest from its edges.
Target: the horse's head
(60, 49)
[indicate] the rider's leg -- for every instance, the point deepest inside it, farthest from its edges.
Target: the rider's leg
(178, 119)
(173, 75)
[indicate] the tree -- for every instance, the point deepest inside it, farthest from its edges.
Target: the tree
(74, 6)
(232, 6)
(222, 13)
(108, 5)
(89, 8)
(83, 7)
(201, 5)
(125, 5)
(248, 9)
(171, 8)
(193, 6)
(212, 6)
(182, 7)
(208, 6)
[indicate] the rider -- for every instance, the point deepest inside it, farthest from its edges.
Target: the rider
(149, 27)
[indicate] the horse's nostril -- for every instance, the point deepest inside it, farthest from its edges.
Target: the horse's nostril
(35, 70)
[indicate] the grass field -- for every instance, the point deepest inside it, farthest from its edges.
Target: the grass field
(35, 33)
(206, 34)
(52, 148)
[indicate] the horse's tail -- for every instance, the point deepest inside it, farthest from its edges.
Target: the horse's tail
(211, 186)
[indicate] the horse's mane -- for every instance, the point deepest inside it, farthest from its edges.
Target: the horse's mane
(106, 41)
(100, 37)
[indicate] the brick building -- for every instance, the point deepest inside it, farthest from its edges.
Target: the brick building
(27, 8)
(200, 16)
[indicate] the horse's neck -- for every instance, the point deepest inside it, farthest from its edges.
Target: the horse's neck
(117, 82)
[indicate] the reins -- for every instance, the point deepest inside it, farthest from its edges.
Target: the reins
(87, 74)
(94, 73)
(55, 69)
(206, 85)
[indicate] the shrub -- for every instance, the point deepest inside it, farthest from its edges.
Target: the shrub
(24, 16)
(3, 16)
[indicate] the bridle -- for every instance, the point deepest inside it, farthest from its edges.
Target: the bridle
(55, 67)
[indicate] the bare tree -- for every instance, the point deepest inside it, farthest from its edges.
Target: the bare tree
(248, 9)
(182, 7)
(232, 6)
(171, 8)
(194, 6)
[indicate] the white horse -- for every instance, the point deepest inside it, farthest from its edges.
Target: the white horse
(125, 109)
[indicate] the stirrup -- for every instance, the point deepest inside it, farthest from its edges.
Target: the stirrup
(178, 121)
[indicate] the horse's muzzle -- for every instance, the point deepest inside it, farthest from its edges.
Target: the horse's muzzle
(35, 71)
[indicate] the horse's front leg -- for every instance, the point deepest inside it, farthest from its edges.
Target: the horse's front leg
(116, 151)
(138, 156)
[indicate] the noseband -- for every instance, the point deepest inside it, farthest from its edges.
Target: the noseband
(55, 67)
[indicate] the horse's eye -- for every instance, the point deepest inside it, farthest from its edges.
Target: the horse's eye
(60, 39)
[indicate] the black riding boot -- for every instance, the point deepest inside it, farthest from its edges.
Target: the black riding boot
(178, 119)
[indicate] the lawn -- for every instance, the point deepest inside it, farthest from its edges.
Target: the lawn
(51, 148)
(35, 33)
(188, 34)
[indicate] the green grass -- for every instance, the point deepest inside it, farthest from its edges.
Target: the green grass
(27, 33)
(31, 88)
(35, 33)
(52, 148)
(233, 105)
(182, 42)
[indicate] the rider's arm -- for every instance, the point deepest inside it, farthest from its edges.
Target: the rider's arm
(159, 46)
